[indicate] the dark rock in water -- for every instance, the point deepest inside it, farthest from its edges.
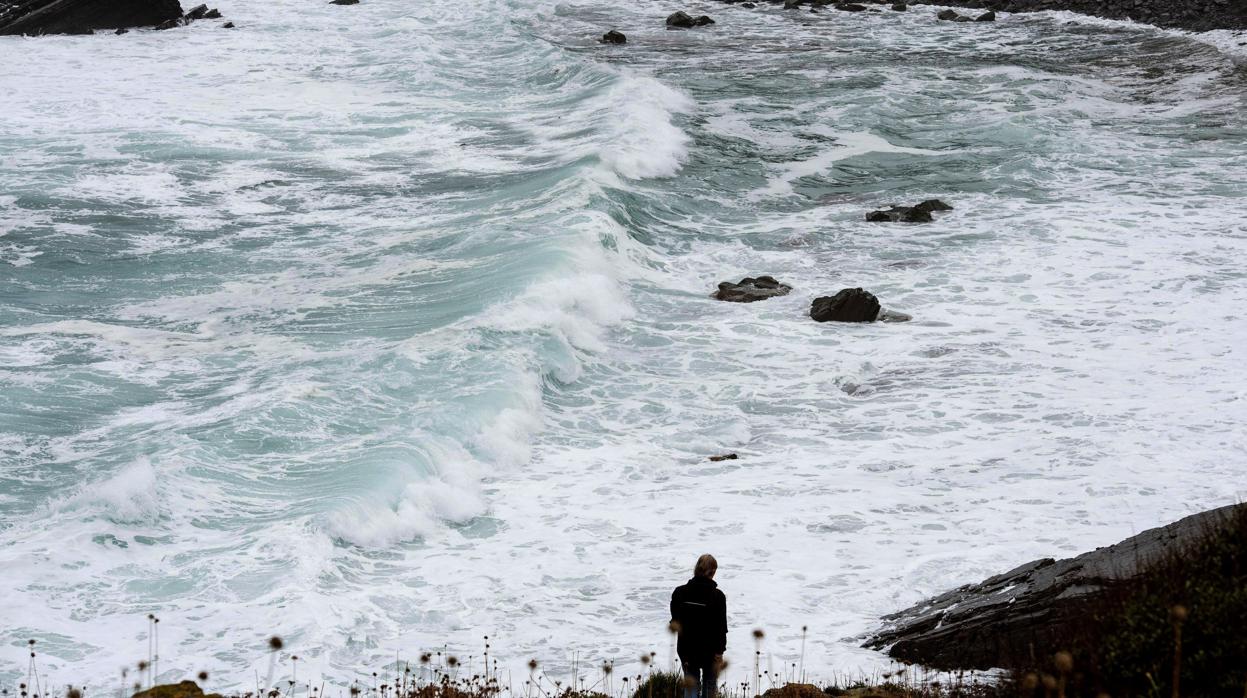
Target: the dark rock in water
(34, 17)
(1009, 616)
(900, 214)
(986, 17)
(170, 24)
(213, 14)
(792, 4)
(196, 12)
(227, 25)
(343, 2)
(748, 5)
(703, 20)
(931, 205)
(614, 37)
(947, 15)
(850, 7)
(900, 7)
(726, 456)
(750, 289)
(680, 20)
(849, 305)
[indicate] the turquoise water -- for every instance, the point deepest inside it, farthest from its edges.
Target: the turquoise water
(386, 327)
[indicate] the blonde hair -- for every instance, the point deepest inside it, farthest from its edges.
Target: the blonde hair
(706, 566)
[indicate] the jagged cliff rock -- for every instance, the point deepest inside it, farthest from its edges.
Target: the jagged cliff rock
(35, 17)
(1005, 618)
(1195, 15)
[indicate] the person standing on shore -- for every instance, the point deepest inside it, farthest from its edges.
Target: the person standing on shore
(699, 615)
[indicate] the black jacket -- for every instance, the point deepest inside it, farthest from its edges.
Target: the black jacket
(700, 609)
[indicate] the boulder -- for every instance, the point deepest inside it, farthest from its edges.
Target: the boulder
(227, 25)
(614, 37)
(900, 214)
(931, 205)
(900, 6)
(196, 12)
(947, 15)
(725, 456)
(792, 4)
(680, 20)
(213, 14)
(849, 305)
(35, 17)
(750, 289)
(1011, 616)
(703, 20)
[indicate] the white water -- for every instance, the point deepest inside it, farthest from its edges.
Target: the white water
(386, 327)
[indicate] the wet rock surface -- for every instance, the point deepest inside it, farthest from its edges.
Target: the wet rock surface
(849, 305)
(751, 289)
(986, 625)
(614, 37)
(35, 17)
(1195, 15)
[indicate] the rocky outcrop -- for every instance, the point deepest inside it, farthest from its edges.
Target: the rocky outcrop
(1194, 15)
(849, 305)
(1007, 618)
(683, 20)
(920, 213)
(35, 17)
(614, 37)
(750, 289)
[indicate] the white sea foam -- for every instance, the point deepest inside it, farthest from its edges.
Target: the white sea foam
(388, 337)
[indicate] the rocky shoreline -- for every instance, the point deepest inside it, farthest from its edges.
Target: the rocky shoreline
(1192, 15)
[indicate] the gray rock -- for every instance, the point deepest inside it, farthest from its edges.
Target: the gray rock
(848, 305)
(750, 290)
(986, 625)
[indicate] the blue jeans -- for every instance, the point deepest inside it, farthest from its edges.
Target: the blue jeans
(701, 679)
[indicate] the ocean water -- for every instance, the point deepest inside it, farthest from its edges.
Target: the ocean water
(387, 327)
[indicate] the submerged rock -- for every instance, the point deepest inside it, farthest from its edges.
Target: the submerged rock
(343, 2)
(35, 17)
(725, 456)
(931, 205)
(614, 37)
(900, 214)
(1022, 612)
(900, 7)
(849, 305)
(750, 289)
(947, 15)
(680, 19)
(988, 16)
(920, 213)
